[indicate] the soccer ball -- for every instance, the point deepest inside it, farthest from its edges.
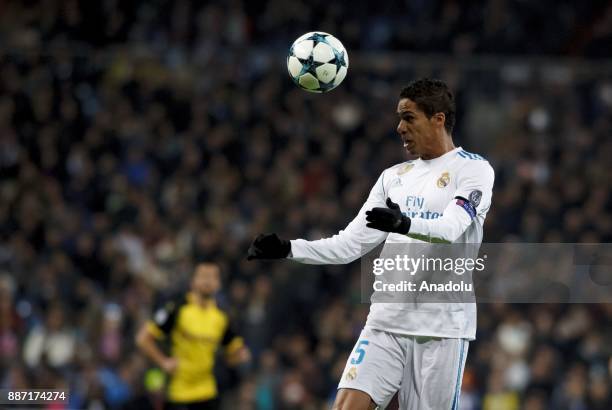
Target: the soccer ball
(317, 62)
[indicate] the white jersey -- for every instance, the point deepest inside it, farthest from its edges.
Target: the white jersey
(426, 191)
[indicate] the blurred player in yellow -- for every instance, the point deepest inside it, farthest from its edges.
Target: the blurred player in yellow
(196, 328)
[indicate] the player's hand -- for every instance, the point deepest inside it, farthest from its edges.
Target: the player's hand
(169, 365)
(269, 246)
(243, 355)
(388, 219)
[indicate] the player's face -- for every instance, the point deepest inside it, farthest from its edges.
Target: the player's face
(206, 279)
(417, 131)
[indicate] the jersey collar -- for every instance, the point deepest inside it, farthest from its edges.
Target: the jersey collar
(441, 158)
(191, 298)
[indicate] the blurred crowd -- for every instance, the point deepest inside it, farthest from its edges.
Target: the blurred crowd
(139, 138)
(549, 27)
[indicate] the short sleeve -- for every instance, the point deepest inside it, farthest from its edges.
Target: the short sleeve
(231, 340)
(164, 319)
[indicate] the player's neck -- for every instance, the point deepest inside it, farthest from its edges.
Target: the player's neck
(446, 145)
(203, 300)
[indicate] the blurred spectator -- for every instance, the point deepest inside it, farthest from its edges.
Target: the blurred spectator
(50, 344)
(137, 138)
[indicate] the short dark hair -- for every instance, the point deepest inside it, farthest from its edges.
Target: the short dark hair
(432, 96)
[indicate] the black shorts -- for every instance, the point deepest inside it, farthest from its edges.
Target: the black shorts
(212, 404)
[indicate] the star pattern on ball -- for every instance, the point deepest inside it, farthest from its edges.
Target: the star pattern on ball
(307, 75)
(309, 66)
(318, 38)
(324, 87)
(340, 61)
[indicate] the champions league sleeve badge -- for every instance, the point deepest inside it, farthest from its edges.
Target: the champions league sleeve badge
(475, 197)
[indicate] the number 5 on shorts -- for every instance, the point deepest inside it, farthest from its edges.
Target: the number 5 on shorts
(360, 351)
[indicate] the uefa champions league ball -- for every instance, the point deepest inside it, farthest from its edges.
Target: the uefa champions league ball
(317, 62)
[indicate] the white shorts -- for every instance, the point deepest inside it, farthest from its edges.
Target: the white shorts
(425, 371)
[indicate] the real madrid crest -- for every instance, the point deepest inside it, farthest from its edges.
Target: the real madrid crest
(351, 374)
(444, 180)
(405, 169)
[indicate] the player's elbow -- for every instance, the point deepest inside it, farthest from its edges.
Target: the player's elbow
(143, 337)
(454, 232)
(445, 230)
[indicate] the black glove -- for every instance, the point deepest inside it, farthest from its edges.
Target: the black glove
(388, 219)
(269, 246)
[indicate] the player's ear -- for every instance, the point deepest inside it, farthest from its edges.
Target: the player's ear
(439, 119)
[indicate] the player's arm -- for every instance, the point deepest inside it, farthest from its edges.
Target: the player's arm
(153, 330)
(235, 351)
(344, 247)
(472, 200)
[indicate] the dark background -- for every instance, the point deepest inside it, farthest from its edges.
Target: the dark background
(138, 138)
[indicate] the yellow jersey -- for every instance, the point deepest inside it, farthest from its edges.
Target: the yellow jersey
(195, 333)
